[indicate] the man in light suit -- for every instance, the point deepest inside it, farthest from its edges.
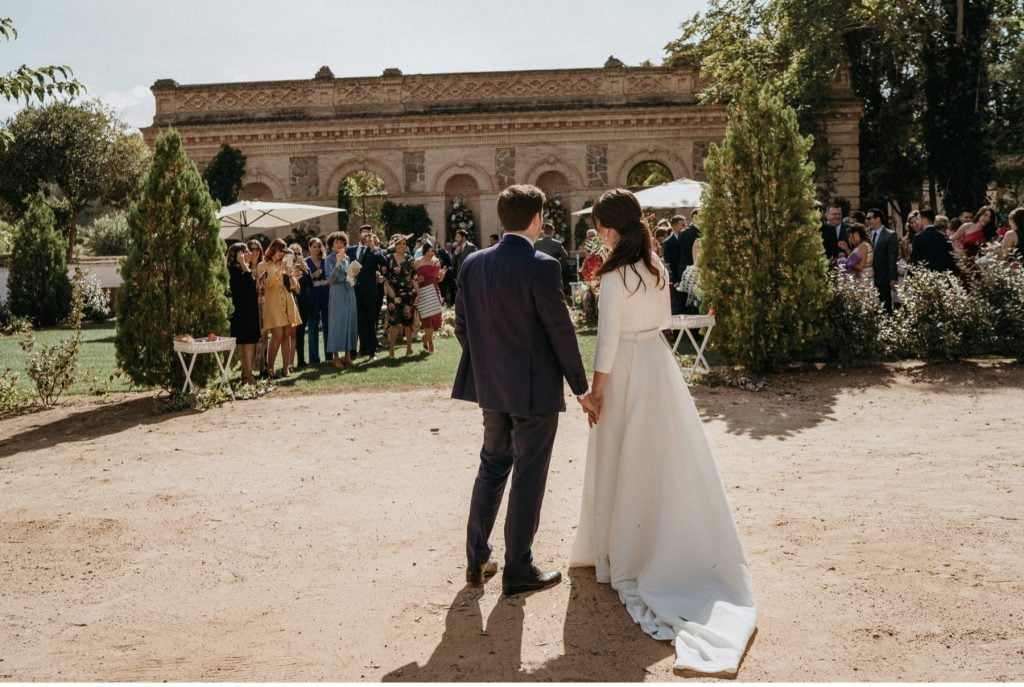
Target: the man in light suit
(886, 250)
(518, 344)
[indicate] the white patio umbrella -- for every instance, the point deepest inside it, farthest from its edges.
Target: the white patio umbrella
(681, 193)
(260, 217)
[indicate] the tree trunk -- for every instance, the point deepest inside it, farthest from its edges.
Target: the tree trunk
(959, 21)
(73, 233)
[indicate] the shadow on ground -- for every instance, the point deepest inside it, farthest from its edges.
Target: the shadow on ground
(601, 642)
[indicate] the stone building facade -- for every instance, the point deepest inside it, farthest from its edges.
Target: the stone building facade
(433, 137)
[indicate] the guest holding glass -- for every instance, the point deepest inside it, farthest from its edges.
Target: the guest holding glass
(429, 273)
(320, 297)
(342, 315)
(245, 316)
(278, 280)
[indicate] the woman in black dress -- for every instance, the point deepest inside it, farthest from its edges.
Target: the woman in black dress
(245, 319)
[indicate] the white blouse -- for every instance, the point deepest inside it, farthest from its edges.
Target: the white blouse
(630, 304)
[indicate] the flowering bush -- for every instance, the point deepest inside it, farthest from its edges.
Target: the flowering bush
(998, 286)
(554, 213)
(461, 217)
(95, 301)
(939, 318)
(856, 326)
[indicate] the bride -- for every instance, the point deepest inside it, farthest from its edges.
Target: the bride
(655, 522)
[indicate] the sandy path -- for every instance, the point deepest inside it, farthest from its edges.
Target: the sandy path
(883, 525)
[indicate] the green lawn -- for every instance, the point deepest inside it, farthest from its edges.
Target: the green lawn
(97, 363)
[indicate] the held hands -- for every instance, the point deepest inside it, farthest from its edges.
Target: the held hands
(591, 404)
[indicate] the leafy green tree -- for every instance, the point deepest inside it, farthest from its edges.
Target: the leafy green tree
(109, 235)
(399, 218)
(224, 174)
(39, 288)
(175, 279)
(78, 153)
(762, 267)
(29, 84)
(361, 195)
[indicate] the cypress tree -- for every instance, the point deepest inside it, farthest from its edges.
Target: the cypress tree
(224, 174)
(762, 266)
(175, 279)
(39, 286)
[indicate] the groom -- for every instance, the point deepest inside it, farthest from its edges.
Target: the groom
(518, 343)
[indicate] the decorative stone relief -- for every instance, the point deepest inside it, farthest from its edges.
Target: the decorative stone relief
(304, 177)
(505, 166)
(415, 171)
(700, 154)
(597, 166)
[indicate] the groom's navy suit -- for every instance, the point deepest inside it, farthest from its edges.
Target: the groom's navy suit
(518, 343)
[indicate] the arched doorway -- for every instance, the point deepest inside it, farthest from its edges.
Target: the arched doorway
(648, 173)
(556, 209)
(462, 208)
(361, 194)
(255, 190)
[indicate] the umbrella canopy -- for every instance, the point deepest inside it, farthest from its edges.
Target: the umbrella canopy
(681, 193)
(259, 217)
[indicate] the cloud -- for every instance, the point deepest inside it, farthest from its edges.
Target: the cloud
(135, 105)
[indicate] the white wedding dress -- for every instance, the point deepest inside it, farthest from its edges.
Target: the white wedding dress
(655, 521)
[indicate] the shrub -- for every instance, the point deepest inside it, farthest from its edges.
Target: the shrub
(53, 367)
(6, 237)
(175, 279)
(39, 287)
(95, 301)
(12, 397)
(939, 318)
(762, 268)
(856, 326)
(108, 235)
(998, 286)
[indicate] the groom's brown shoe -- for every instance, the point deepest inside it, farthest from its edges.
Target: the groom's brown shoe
(481, 573)
(533, 582)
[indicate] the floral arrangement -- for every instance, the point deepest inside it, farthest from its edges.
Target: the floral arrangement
(554, 213)
(461, 217)
(587, 297)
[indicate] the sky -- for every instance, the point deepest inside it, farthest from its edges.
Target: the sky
(118, 48)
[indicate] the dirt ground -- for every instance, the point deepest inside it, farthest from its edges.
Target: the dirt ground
(321, 538)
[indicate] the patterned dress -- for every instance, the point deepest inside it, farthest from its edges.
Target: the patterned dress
(400, 302)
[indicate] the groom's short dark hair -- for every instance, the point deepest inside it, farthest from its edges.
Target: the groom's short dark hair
(517, 206)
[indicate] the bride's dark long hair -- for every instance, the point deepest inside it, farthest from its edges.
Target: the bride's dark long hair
(619, 209)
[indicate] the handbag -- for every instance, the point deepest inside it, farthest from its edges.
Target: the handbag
(427, 302)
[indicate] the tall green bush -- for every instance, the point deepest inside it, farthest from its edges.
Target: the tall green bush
(108, 235)
(939, 318)
(399, 218)
(175, 279)
(857, 330)
(38, 285)
(763, 269)
(224, 174)
(999, 287)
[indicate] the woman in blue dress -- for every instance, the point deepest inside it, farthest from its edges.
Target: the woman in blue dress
(342, 327)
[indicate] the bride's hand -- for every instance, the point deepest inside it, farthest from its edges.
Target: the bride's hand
(592, 406)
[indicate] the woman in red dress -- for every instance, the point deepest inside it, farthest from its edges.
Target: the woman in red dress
(429, 274)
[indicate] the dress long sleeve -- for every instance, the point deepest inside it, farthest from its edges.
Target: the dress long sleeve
(609, 323)
(336, 270)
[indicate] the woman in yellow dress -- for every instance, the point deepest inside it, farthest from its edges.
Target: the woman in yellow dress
(277, 282)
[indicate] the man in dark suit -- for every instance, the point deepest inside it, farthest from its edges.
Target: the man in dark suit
(672, 252)
(549, 245)
(463, 249)
(886, 248)
(518, 343)
(368, 289)
(931, 247)
(833, 233)
(686, 239)
(444, 254)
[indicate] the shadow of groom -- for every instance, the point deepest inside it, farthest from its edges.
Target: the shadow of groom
(601, 642)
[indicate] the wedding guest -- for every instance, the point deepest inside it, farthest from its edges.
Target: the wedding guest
(833, 233)
(429, 273)
(368, 289)
(858, 263)
(305, 303)
(660, 234)
(1011, 248)
(913, 227)
(930, 247)
(954, 224)
(280, 312)
(245, 315)
(255, 258)
(255, 254)
(884, 264)
(342, 325)
(858, 217)
(689, 282)
(400, 288)
(672, 251)
(970, 237)
(444, 254)
(463, 249)
(494, 240)
(417, 251)
(686, 239)
(319, 301)
(292, 262)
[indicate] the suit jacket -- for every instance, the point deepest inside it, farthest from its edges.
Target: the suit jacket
(933, 248)
(670, 247)
(553, 247)
(831, 241)
(686, 239)
(459, 257)
(886, 250)
(373, 263)
(518, 341)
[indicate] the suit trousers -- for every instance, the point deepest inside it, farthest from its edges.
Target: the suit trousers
(885, 296)
(317, 322)
(520, 445)
(367, 316)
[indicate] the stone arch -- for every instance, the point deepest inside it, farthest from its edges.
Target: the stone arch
(255, 190)
(466, 185)
(673, 162)
(554, 164)
(390, 179)
(484, 181)
(266, 179)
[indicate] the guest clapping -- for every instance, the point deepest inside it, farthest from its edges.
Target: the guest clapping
(342, 316)
(245, 317)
